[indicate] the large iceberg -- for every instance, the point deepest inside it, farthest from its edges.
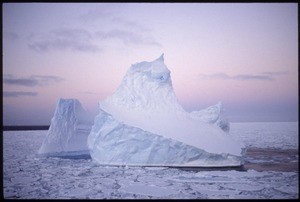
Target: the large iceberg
(142, 123)
(69, 130)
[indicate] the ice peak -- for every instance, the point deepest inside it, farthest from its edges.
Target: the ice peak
(161, 58)
(158, 64)
(146, 85)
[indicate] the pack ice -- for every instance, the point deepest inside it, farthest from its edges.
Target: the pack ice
(69, 129)
(143, 124)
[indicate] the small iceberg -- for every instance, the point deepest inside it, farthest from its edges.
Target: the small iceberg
(68, 132)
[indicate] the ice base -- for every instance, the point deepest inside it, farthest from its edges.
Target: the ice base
(112, 142)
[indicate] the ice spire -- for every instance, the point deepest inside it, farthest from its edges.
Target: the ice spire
(161, 58)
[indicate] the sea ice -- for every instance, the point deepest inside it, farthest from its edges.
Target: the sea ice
(142, 123)
(57, 178)
(69, 129)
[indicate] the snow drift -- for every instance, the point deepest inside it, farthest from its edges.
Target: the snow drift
(69, 129)
(142, 123)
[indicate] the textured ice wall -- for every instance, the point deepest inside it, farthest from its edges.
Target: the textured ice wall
(114, 143)
(147, 88)
(69, 129)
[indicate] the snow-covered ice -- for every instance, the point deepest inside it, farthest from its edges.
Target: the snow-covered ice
(142, 123)
(69, 129)
(267, 134)
(29, 177)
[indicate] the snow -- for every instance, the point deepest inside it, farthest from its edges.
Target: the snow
(145, 116)
(27, 177)
(142, 189)
(69, 129)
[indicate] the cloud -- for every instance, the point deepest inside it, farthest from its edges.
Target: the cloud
(244, 77)
(276, 73)
(34, 80)
(89, 93)
(18, 93)
(64, 39)
(102, 11)
(10, 35)
(111, 13)
(129, 24)
(22, 82)
(127, 37)
(120, 26)
(107, 16)
(240, 77)
(84, 41)
(222, 76)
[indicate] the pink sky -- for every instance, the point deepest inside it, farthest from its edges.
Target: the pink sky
(245, 55)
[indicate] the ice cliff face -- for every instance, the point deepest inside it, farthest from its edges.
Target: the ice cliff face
(142, 123)
(69, 129)
(112, 142)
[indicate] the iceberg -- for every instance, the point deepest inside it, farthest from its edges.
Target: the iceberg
(143, 124)
(69, 130)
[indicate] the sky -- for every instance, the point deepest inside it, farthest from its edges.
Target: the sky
(245, 55)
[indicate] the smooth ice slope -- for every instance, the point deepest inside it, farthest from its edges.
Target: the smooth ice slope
(69, 129)
(145, 107)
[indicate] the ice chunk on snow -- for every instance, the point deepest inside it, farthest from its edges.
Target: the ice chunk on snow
(69, 129)
(214, 115)
(144, 108)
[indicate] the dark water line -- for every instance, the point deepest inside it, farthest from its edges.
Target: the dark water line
(17, 128)
(260, 159)
(272, 159)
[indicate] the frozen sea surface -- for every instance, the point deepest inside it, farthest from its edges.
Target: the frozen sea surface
(271, 171)
(283, 135)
